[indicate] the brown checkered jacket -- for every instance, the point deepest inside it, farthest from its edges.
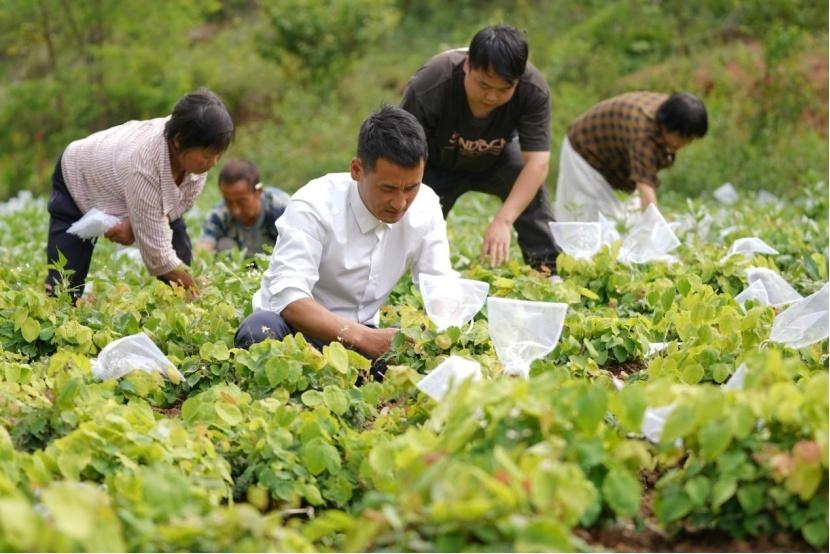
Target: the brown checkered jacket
(619, 138)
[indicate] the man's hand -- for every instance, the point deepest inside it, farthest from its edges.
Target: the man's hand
(496, 245)
(121, 232)
(648, 195)
(376, 342)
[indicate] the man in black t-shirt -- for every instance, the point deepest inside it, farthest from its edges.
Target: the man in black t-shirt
(486, 114)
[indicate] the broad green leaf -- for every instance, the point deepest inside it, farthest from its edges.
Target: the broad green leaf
(544, 535)
(70, 516)
(312, 398)
(228, 413)
(319, 456)
(588, 293)
(337, 356)
(815, 533)
(622, 492)
(693, 374)
(672, 506)
(336, 400)
(382, 459)
(714, 439)
(698, 489)
(591, 406)
(751, 498)
(30, 329)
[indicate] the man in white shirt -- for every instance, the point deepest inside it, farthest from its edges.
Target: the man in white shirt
(346, 239)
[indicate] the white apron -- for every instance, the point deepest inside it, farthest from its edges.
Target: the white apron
(582, 193)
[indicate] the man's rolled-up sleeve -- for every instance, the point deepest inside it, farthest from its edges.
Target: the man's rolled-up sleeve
(433, 256)
(295, 263)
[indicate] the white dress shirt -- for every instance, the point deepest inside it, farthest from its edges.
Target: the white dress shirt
(125, 171)
(332, 249)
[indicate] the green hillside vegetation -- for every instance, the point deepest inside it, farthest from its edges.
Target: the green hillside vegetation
(300, 75)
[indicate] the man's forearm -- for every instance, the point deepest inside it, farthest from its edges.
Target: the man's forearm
(527, 184)
(648, 195)
(313, 320)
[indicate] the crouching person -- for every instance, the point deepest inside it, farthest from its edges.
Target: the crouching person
(346, 239)
(246, 216)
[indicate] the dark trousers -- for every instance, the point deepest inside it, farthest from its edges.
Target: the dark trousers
(266, 324)
(63, 212)
(535, 237)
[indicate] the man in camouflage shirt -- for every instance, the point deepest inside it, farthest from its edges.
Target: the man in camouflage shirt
(246, 217)
(619, 145)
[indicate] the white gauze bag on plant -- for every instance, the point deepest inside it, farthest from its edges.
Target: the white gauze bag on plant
(805, 322)
(451, 301)
(523, 331)
(651, 239)
(779, 291)
(755, 291)
(726, 194)
(610, 235)
(747, 247)
(577, 239)
(736, 380)
(128, 354)
(447, 374)
(93, 224)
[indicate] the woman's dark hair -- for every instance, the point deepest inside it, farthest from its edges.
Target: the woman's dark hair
(240, 170)
(394, 135)
(200, 120)
(684, 114)
(502, 48)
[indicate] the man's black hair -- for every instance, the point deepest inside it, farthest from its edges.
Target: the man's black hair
(393, 134)
(240, 170)
(200, 120)
(684, 114)
(502, 48)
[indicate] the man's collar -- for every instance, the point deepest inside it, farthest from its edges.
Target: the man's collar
(366, 221)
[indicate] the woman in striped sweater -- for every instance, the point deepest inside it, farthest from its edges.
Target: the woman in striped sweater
(147, 173)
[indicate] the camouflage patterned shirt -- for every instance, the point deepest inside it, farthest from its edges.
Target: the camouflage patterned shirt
(225, 233)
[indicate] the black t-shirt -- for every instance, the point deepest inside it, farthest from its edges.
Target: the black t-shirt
(457, 140)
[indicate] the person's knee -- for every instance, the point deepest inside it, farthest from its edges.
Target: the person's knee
(259, 326)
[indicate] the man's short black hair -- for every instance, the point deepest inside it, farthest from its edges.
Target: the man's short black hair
(502, 48)
(684, 114)
(393, 134)
(200, 119)
(240, 170)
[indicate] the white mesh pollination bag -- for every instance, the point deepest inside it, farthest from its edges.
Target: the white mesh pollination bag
(128, 354)
(747, 247)
(654, 420)
(578, 239)
(736, 380)
(779, 291)
(755, 291)
(451, 301)
(651, 239)
(93, 224)
(447, 374)
(610, 235)
(523, 331)
(726, 194)
(805, 322)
